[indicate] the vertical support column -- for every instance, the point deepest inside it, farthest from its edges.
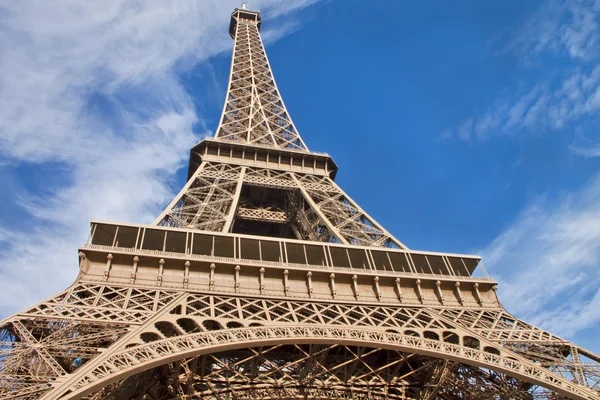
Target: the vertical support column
(399, 290)
(458, 293)
(286, 283)
(495, 289)
(211, 277)
(186, 274)
(419, 291)
(161, 270)
(377, 288)
(578, 374)
(477, 294)
(237, 278)
(82, 259)
(134, 269)
(355, 287)
(109, 258)
(234, 203)
(261, 280)
(332, 281)
(438, 290)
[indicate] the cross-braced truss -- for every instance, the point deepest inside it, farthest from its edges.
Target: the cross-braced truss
(317, 208)
(317, 371)
(254, 112)
(342, 319)
(206, 200)
(432, 353)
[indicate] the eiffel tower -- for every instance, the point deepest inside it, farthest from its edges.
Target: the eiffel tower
(264, 279)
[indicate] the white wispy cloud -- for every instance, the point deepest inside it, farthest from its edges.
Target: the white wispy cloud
(59, 60)
(560, 27)
(566, 33)
(547, 262)
(547, 259)
(592, 151)
(548, 106)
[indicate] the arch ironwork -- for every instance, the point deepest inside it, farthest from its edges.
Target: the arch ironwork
(134, 360)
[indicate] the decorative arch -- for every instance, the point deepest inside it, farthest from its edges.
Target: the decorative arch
(130, 361)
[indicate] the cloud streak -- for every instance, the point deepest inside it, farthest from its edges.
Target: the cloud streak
(94, 88)
(566, 33)
(546, 259)
(546, 262)
(546, 107)
(563, 28)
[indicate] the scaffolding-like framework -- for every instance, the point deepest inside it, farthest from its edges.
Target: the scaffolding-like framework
(264, 279)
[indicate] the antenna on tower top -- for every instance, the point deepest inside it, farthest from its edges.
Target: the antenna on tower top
(244, 3)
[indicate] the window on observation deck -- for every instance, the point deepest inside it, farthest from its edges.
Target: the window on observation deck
(358, 258)
(202, 244)
(339, 257)
(223, 246)
(315, 255)
(381, 260)
(270, 251)
(154, 239)
(250, 249)
(176, 242)
(459, 266)
(104, 235)
(437, 264)
(399, 262)
(295, 253)
(127, 237)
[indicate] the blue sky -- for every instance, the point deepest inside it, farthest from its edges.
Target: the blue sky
(466, 126)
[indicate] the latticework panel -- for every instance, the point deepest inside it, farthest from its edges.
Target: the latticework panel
(131, 360)
(60, 335)
(35, 352)
(451, 349)
(351, 224)
(540, 346)
(207, 199)
(317, 207)
(318, 372)
(254, 112)
(102, 303)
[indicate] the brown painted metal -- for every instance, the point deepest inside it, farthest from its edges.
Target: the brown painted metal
(264, 279)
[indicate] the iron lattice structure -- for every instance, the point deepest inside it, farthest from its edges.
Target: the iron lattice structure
(263, 279)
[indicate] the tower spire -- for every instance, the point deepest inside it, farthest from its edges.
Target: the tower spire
(254, 112)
